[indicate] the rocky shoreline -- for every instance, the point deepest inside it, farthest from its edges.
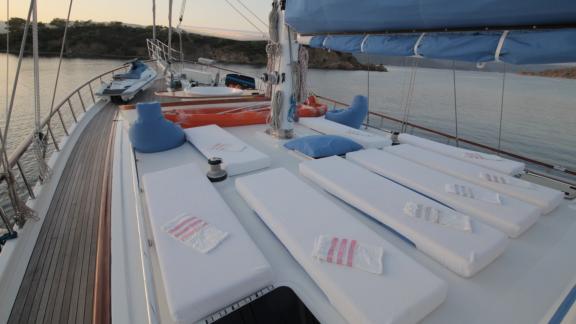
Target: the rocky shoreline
(563, 73)
(116, 40)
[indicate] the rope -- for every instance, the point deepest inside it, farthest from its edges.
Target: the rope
(39, 138)
(276, 110)
(299, 75)
(245, 18)
(273, 47)
(501, 109)
(252, 12)
(21, 211)
(455, 106)
(273, 23)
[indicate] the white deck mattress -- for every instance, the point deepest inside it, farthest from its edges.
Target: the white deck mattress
(545, 198)
(297, 214)
(196, 284)
(463, 252)
(325, 126)
(489, 161)
(237, 156)
(512, 216)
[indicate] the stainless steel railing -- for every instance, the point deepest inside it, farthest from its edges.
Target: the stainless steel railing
(62, 116)
(565, 172)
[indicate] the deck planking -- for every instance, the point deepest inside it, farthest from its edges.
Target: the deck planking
(58, 285)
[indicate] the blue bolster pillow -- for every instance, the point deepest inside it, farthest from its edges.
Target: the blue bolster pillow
(318, 146)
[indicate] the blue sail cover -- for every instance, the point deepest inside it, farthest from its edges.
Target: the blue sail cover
(337, 16)
(518, 47)
(364, 17)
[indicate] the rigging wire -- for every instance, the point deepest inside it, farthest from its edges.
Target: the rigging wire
(154, 19)
(21, 210)
(368, 93)
(409, 95)
(501, 109)
(17, 74)
(245, 18)
(7, 54)
(253, 14)
(455, 102)
(179, 29)
(170, 31)
(40, 140)
(62, 47)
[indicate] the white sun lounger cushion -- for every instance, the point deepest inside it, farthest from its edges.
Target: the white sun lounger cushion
(237, 156)
(297, 214)
(489, 161)
(511, 216)
(197, 284)
(325, 126)
(462, 252)
(545, 198)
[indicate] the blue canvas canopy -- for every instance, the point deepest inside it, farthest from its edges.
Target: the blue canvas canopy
(395, 28)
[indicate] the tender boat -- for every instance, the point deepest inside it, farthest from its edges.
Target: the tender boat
(325, 219)
(125, 86)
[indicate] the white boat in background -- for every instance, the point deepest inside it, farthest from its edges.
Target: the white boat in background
(125, 86)
(331, 219)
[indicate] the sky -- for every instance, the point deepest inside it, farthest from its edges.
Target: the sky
(205, 16)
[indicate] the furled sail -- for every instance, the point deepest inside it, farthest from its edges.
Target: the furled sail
(345, 16)
(442, 29)
(515, 47)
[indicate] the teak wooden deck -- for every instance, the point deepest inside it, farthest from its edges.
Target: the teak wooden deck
(59, 282)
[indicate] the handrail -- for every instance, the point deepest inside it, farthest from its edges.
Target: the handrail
(23, 146)
(462, 140)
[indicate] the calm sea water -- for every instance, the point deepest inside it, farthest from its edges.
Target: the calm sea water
(538, 118)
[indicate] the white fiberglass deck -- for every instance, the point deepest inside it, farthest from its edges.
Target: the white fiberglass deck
(524, 285)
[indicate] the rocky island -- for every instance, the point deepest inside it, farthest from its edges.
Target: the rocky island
(117, 40)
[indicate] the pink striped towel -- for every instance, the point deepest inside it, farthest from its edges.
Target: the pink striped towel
(349, 253)
(195, 232)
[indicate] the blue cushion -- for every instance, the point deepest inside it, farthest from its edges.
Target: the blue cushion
(151, 132)
(318, 146)
(353, 116)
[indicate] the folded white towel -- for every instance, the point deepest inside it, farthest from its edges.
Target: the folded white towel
(432, 215)
(226, 147)
(481, 156)
(467, 192)
(195, 232)
(348, 252)
(504, 179)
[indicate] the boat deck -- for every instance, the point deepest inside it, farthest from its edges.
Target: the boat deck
(58, 286)
(521, 286)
